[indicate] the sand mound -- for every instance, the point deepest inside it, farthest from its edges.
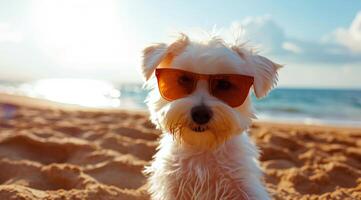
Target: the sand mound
(58, 153)
(310, 162)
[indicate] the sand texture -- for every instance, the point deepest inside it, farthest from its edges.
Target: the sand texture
(49, 151)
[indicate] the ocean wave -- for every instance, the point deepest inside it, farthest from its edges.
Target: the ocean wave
(277, 109)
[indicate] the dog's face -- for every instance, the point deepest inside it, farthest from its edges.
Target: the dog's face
(200, 119)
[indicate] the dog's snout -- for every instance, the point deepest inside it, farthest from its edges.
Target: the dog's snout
(201, 114)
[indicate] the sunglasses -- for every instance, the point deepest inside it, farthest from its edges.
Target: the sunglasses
(232, 89)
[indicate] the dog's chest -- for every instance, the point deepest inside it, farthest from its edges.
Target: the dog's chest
(205, 178)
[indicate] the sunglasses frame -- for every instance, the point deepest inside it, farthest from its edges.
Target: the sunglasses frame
(198, 77)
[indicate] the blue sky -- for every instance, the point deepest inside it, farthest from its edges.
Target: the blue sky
(318, 41)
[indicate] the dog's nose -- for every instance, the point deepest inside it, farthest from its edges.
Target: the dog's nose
(201, 114)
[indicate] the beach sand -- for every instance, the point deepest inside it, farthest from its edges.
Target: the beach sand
(54, 151)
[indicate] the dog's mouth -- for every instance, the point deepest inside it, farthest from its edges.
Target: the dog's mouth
(199, 129)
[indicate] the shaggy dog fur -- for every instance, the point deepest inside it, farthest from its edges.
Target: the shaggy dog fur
(220, 162)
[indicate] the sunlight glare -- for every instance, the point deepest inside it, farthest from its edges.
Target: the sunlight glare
(84, 33)
(83, 92)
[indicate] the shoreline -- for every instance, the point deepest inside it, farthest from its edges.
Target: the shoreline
(34, 102)
(28, 101)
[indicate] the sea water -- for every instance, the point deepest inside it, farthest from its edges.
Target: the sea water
(313, 106)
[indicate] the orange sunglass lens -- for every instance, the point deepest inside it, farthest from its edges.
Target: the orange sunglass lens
(232, 89)
(174, 84)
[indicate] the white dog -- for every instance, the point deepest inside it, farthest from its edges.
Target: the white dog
(205, 152)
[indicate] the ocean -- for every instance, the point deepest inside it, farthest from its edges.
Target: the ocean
(310, 106)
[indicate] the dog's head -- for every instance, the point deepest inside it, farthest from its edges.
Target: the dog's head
(200, 118)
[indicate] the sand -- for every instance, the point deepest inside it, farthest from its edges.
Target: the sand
(54, 151)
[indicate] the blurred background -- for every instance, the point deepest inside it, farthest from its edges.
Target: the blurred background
(88, 52)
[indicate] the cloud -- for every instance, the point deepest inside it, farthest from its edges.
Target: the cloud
(341, 46)
(292, 47)
(260, 32)
(351, 37)
(8, 35)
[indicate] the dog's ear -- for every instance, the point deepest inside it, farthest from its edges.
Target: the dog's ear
(152, 57)
(265, 71)
(161, 54)
(265, 76)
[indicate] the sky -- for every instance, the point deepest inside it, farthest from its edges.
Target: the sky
(319, 42)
